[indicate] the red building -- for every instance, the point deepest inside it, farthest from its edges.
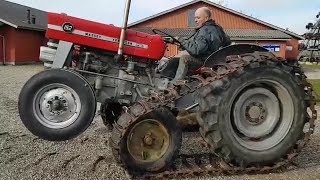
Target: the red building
(241, 28)
(22, 32)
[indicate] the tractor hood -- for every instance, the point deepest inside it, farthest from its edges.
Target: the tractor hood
(103, 36)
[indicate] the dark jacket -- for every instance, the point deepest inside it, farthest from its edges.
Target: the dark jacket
(206, 40)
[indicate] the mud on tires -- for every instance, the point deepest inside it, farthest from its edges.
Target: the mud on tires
(57, 105)
(148, 143)
(255, 116)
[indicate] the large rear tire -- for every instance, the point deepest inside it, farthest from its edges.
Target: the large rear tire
(57, 105)
(255, 116)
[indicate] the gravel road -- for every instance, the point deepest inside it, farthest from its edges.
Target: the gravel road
(24, 156)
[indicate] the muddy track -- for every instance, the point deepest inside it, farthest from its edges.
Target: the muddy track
(211, 86)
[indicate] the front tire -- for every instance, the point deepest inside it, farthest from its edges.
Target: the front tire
(57, 105)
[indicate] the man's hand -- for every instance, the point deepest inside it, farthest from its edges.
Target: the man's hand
(169, 40)
(180, 39)
(174, 40)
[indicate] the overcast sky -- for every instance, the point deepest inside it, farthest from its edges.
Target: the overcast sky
(292, 14)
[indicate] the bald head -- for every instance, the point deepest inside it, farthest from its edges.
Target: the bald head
(204, 11)
(202, 15)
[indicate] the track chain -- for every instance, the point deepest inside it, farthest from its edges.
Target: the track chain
(209, 164)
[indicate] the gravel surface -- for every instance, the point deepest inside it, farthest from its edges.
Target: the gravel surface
(24, 156)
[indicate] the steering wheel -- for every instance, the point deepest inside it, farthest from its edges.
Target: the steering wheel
(161, 33)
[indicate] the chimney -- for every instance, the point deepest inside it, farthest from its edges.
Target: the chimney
(33, 19)
(29, 16)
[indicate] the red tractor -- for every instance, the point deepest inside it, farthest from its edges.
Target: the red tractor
(251, 106)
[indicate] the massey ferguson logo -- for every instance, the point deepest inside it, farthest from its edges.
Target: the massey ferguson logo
(68, 27)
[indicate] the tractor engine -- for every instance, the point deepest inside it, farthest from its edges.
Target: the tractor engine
(119, 82)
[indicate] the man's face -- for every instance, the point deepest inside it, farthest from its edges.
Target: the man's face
(200, 17)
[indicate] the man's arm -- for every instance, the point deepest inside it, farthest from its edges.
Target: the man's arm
(197, 45)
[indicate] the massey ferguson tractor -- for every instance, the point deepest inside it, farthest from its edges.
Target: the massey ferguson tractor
(254, 110)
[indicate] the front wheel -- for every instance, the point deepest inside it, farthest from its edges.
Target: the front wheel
(57, 105)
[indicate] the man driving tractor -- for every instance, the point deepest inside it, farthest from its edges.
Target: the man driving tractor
(208, 38)
(256, 116)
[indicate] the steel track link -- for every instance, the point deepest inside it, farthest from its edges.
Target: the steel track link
(210, 164)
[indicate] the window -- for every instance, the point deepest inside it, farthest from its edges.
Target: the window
(191, 18)
(272, 47)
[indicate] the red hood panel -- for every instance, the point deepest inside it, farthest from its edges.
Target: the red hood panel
(103, 36)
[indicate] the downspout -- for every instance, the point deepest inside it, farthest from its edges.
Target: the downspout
(3, 49)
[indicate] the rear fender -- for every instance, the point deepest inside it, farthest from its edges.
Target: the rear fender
(237, 49)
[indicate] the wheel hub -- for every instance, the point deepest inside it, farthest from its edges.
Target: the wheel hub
(57, 102)
(148, 141)
(57, 106)
(255, 113)
(262, 116)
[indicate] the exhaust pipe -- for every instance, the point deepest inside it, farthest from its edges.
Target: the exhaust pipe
(123, 30)
(29, 16)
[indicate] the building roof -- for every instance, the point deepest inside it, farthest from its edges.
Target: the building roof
(220, 7)
(16, 15)
(254, 34)
(235, 34)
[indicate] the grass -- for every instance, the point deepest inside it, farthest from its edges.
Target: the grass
(316, 85)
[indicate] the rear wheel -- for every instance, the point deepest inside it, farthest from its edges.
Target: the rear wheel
(148, 143)
(254, 117)
(57, 105)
